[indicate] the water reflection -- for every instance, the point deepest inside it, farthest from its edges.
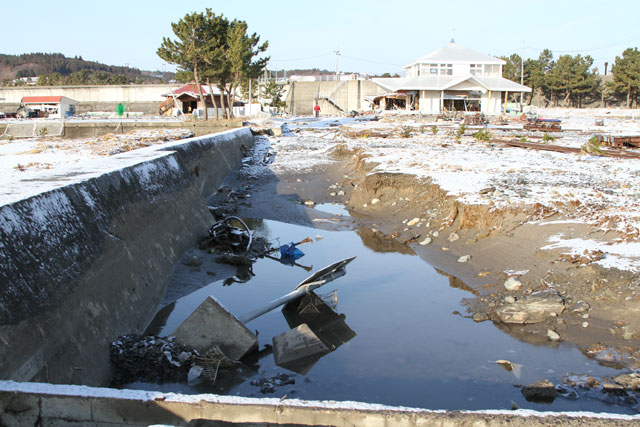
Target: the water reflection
(327, 325)
(410, 349)
(379, 242)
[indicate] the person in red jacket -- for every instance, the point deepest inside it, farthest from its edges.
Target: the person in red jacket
(317, 110)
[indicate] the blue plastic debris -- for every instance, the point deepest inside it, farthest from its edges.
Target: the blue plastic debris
(289, 253)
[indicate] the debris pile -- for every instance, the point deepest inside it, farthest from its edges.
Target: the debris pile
(149, 358)
(268, 385)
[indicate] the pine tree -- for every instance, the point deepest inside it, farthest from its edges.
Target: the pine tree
(188, 50)
(626, 74)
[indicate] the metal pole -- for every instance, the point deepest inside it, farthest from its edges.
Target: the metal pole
(250, 97)
(522, 74)
(337, 52)
(293, 295)
(317, 279)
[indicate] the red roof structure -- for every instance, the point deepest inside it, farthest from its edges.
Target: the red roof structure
(192, 90)
(41, 99)
(47, 100)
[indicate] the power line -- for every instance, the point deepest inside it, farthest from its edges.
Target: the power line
(373, 62)
(301, 59)
(634, 38)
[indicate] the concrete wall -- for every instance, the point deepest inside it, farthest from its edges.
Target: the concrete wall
(42, 404)
(145, 98)
(85, 262)
(349, 95)
(491, 102)
(66, 129)
(107, 93)
(430, 101)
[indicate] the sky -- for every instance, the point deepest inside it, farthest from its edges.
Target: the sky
(372, 36)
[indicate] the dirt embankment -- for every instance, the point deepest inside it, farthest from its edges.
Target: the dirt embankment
(536, 295)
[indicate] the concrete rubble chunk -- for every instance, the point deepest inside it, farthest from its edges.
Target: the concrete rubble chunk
(540, 391)
(512, 284)
(535, 308)
(211, 324)
(629, 381)
(553, 335)
(297, 346)
(580, 308)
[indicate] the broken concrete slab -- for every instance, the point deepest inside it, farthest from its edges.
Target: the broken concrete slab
(535, 308)
(329, 326)
(540, 391)
(212, 324)
(298, 349)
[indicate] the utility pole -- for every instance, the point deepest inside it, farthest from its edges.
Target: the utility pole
(337, 52)
(522, 75)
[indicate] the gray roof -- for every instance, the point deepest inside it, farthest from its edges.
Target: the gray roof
(444, 82)
(453, 53)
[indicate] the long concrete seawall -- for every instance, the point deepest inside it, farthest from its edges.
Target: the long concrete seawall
(86, 261)
(62, 405)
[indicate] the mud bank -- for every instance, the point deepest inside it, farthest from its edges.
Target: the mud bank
(483, 246)
(86, 261)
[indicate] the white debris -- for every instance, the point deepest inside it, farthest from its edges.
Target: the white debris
(426, 241)
(512, 284)
(553, 335)
(413, 222)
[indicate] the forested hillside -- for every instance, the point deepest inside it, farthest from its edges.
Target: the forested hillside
(57, 69)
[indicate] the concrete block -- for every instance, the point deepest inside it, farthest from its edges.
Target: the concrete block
(212, 324)
(298, 349)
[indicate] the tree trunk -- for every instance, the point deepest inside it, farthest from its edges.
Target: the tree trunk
(204, 104)
(233, 98)
(628, 96)
(223, 101)
(566, 98)
(213, 100)
(229, 100)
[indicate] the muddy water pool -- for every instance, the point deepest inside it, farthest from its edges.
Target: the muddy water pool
(412, 345)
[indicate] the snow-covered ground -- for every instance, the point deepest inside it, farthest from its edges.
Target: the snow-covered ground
(30, 166)
(601, 191)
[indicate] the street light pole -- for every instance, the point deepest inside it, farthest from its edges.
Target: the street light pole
(337, 52)
(522, 74)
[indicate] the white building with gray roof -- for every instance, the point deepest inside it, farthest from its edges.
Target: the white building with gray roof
(451, 78)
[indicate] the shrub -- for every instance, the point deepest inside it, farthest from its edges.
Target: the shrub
(482, 135)
(548, 138)
(405, 131)
(593, 146)
(434, 129)
(460, 132)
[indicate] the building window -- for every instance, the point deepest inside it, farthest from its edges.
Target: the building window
(475, 69)
(492, 70)
(446, 69)
(433, 69)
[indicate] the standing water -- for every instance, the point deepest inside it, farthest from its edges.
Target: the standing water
(410, 344)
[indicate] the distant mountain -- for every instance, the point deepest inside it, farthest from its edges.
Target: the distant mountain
(309, 72)
(57, 69)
